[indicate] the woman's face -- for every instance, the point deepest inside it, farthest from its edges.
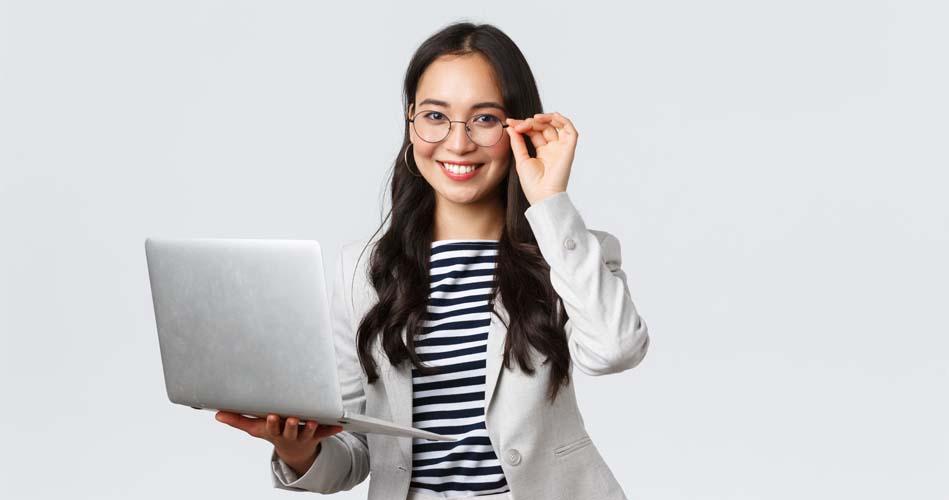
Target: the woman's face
(459, 88)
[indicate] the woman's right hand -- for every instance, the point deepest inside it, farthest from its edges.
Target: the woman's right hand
(297, 447)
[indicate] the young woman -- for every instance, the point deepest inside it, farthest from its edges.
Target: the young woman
(474, 305)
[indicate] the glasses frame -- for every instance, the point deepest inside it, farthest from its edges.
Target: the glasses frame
(450, 122)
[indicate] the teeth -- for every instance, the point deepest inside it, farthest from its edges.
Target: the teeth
(459, 169)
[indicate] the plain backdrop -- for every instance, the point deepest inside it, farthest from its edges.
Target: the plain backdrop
(775, 171)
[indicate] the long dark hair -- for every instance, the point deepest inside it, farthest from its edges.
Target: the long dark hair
(399, 263)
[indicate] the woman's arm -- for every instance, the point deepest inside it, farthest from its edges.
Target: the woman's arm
(343, 460)
(605, 332)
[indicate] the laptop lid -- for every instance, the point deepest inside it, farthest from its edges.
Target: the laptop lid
(243, 325)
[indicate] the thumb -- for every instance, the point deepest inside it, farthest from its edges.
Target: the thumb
(517, 145)
(325, 431)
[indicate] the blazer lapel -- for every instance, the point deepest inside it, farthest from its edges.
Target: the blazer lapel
(495, 351)
(398, 384)
(398, 379)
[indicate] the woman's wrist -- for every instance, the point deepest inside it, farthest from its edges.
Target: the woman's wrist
(543, 196)
(301, 466)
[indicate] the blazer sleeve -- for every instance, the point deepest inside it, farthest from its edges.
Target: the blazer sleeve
(605, 333)
(343, 461)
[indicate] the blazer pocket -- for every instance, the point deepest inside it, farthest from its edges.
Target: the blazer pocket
(572, 446)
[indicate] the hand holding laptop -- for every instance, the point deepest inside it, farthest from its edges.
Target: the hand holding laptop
(244, 327)
(297, 446)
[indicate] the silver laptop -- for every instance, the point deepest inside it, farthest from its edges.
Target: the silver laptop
(243, 326)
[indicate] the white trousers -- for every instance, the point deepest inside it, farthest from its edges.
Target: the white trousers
(421, 496)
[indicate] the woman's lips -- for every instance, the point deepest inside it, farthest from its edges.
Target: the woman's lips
(459, 177)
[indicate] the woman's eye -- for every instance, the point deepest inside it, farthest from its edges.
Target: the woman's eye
(434, 116)
(487, 119)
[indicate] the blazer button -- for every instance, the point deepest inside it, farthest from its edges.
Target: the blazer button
(513, 456)
(569, 244)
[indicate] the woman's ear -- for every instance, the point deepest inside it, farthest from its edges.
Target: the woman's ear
(411, 109)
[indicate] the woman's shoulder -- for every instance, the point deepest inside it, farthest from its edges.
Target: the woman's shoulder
(355, 253)
(354, 263)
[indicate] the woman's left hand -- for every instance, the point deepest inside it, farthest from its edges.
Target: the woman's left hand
(555, 141)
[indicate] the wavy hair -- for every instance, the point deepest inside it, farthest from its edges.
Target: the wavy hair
(399, 263)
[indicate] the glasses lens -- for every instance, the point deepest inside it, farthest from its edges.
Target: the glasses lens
(431, 126)
(485, 130)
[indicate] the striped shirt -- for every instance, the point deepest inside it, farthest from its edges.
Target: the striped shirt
(454, 339)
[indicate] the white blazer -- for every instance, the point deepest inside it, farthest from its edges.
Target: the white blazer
(544, 450)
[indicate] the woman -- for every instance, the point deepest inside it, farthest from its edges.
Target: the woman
(423, 337)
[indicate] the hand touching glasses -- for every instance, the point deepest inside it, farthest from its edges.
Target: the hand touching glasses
(555, 142)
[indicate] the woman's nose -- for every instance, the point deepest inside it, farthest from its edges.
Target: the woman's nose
(458, 139)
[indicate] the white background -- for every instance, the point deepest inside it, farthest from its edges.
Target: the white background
(776, 172)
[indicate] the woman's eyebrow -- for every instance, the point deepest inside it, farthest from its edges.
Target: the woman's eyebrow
(479, 105)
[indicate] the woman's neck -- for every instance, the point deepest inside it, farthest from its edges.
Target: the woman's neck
(482, 220)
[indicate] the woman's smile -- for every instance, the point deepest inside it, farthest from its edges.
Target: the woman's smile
(459, 172)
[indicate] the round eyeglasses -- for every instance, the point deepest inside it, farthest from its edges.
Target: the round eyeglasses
(485, 130)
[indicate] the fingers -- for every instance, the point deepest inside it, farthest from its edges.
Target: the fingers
(518, 129)
(537, 137)
(238, 421)
(541, 122)
(273, 426)
(518, 146)
(290, 428)
(270, 428)
(559, 121)
(532, 129)
(313, 430)
(325, 431)
(550, 134)
(224, 416)
(543, 128)
(308, 430)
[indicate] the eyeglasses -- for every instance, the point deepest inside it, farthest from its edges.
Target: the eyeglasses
(485, 130)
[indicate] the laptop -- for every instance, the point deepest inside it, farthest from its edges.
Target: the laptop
(244, 326)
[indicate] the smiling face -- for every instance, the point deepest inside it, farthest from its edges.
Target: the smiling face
(460, 88)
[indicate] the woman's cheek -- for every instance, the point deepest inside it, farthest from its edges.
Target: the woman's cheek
(423, 154)
(501, 152)
(424, 149)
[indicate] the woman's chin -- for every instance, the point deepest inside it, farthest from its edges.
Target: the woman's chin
(460, 196)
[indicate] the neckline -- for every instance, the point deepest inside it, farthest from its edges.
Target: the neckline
(442, 242)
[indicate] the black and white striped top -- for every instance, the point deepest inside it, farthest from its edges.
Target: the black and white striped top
(451, 402)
